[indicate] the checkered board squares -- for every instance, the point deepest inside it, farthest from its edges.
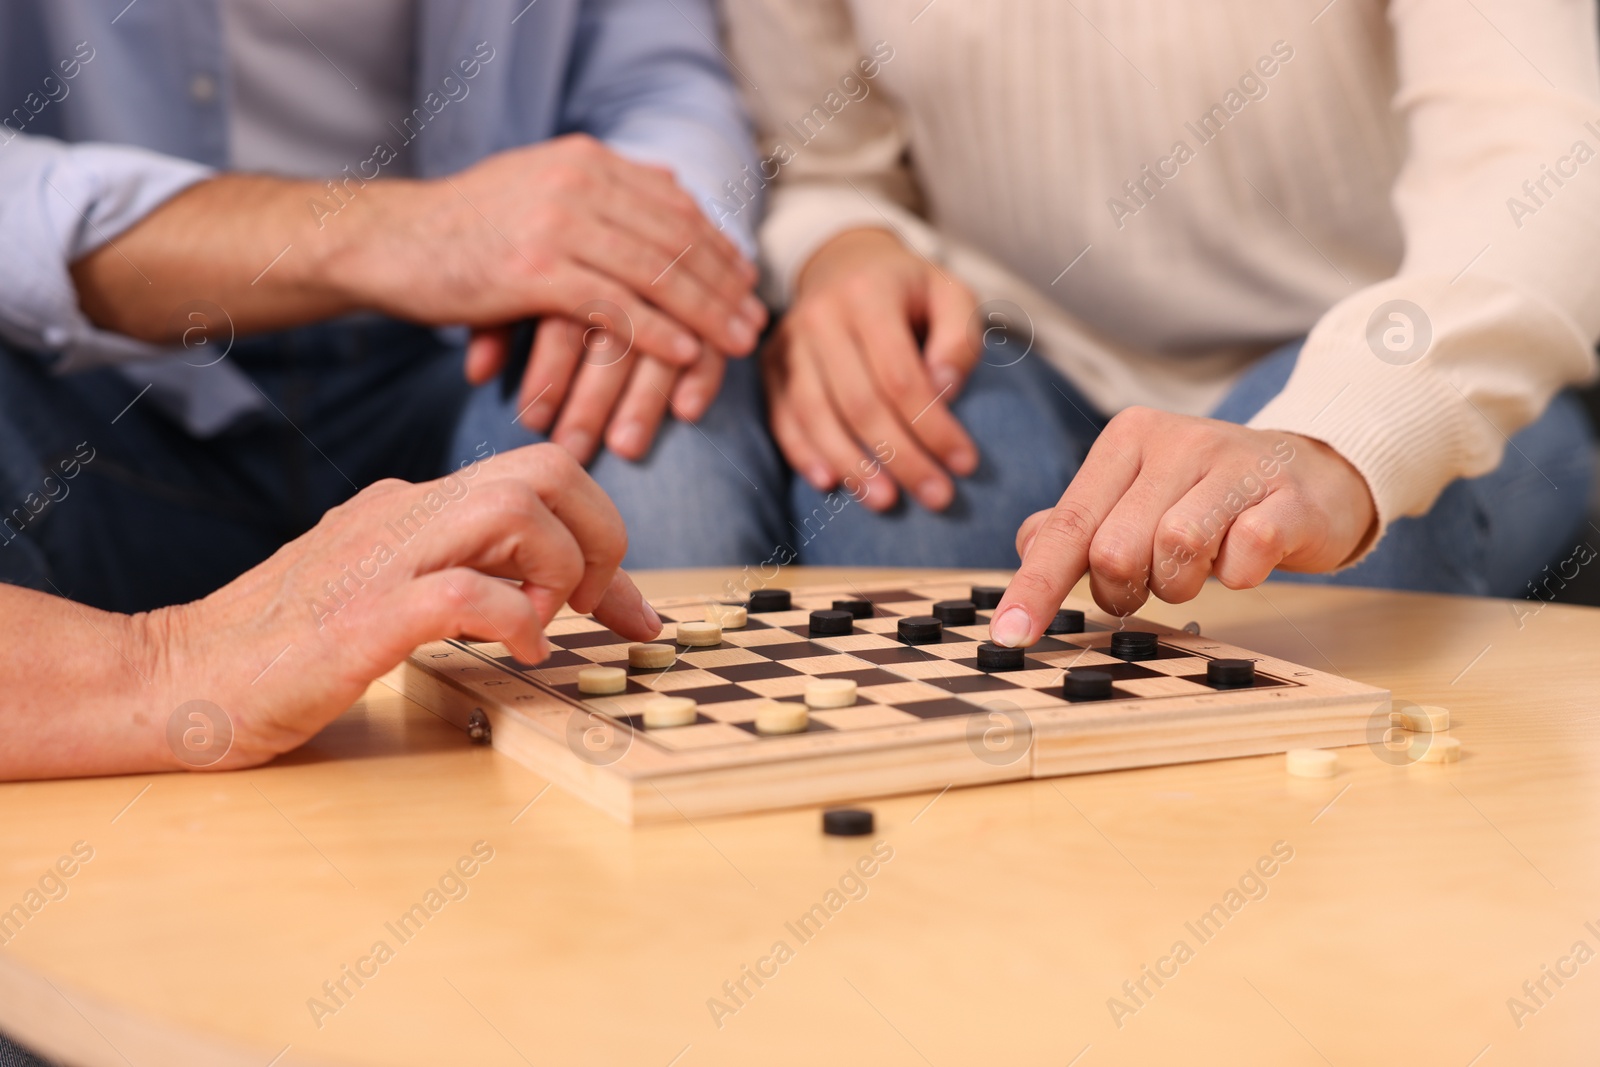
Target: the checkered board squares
(764, 660)
(775, 656)
(911, 727)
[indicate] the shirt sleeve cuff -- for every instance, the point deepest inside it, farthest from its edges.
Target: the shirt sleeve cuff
(804, 218)
(59, 202)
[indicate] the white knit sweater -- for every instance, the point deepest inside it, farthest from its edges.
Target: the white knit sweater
(1170, 188)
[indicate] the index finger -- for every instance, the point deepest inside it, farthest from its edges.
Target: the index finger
(570, 494)
(1059, 554)
(624, 609)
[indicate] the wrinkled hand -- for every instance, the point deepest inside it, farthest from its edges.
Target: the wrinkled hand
(550, 228)
(585, 381)
(289, 645)
(1162, 501)
(846, 375)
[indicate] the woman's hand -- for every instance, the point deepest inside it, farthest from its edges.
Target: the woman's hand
(846, 374)
(1163, 501)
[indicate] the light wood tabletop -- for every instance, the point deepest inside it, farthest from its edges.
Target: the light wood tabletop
(1206, 913)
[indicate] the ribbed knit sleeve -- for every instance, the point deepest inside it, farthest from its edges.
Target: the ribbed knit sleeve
(1419, 379)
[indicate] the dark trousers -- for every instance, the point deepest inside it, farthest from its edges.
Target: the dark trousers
(121, 508)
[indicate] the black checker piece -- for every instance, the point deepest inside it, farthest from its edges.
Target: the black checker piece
(1262, 681)
(858, 609)
(891, 596)
(636, 722)
(768, 600)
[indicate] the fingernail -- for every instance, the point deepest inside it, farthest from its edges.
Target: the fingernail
(1012, 627)
(962, 461)
(543, 650)
(943, 377)
(628, 438)
(741, 333)
(651, 619)
(686, 347)
(935, 494)
(820, 477)
(538, 417)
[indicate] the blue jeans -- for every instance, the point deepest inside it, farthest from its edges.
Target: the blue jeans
(1486, 536)
(150, 516)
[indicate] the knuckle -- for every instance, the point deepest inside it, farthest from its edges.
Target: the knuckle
(1259, 535)
(505, 496)
(380, 488)
(547, 218)
(555, 464)
(1069, 526)
(899, 381)
(1110, 556)
(1135, 420)
(862, 289)
(583, 145)
(683, 208)
(812, 315)
(1183, 542)
(1034, 583)
(569, 178)
(857, 406)
(453, 600)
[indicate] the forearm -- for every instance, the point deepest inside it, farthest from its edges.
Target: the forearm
(82, 690)
(249, 244)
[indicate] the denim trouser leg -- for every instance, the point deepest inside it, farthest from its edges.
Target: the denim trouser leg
(150, 516)
(1485, 536)
(708, 493)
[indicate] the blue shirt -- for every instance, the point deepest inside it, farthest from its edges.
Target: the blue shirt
(109, 110)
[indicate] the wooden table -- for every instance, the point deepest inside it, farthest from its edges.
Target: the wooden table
(1418, 899)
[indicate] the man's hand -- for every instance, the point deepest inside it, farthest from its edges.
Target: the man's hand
(585, 381)
(398, 565)
(844, 371)
(1163, 501)
(542, 230)
(556, 226)
(289, 645)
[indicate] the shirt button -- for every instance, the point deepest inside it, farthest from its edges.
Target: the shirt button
(203, 88)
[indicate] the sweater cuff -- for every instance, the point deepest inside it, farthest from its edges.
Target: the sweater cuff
(804, 218)
(1419, 381)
